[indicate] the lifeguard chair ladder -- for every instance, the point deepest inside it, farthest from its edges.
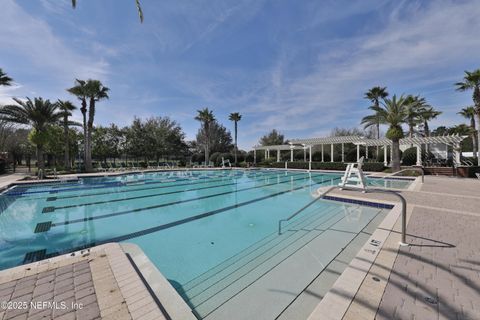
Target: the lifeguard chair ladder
(354, 177)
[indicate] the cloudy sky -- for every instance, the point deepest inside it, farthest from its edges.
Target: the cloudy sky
(297, 66)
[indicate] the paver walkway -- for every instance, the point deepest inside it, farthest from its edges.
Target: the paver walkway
(438, 276)
(99, 283)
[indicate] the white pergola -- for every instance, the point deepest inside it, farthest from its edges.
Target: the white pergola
(304, 144)
(448, 140)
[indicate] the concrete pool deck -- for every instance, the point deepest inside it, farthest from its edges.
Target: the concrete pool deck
(438, 275)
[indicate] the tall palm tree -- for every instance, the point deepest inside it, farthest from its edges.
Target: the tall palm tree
(80, 91)
(66, 108)
(4, 79)
(427, 114)
(415, 104)
(39, 114)
(235, 117)
(137, 3)
(375, 94)
(469, 113)
(206, 118)
(93, 91)
(471, 80)
(393, 112)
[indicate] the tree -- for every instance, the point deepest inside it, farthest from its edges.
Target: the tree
(80, 91)
(393, 112)
(39, 114)
(426, 115)
(471, 80)
(235, 117)
(469, 113)
(206, 118)
(4, 79)
(272, 138)
(66, 108)
(93, 91)
(415, 104)
(375, 94)
(137, 3)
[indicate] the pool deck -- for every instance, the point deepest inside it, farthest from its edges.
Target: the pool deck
(437, 276)
(99, 283)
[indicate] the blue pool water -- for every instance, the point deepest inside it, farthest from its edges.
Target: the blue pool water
(188, 223)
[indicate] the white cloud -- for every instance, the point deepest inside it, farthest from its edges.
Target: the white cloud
(32, 40)
(418, 46)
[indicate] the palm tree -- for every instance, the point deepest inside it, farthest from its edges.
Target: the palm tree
(80, 91)
(4, 79)
(375, 94)
(93, 91)
(469, 113)
(206, 117)
(39, 114)
(415, 104)
(427, 114)
(393, 112)
(66, 108)
(471, 80)
(235, 117)
(137, 3)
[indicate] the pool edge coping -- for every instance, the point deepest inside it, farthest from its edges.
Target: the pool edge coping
(175, 305)
(334, 306)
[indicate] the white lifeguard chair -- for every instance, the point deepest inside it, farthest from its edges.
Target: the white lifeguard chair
(354, 176)
(225, 162)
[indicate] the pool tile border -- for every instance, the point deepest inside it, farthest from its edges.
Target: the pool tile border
(360, 202)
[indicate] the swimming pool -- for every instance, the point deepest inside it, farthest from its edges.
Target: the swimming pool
(212, 234)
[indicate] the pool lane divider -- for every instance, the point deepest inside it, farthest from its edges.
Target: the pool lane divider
(85, 187)
(144, 232)
(52, 208)
(149, 188)
(123, 185)
(109, 215)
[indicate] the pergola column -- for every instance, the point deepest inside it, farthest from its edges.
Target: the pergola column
(343, 153)
(457, 154)
(358, 152)
(291, 154)
(322, 153)
(266, 154)
(331, 152)
(385, 150)
(419, 154)
(310, 158)
(278, 155)
(304, 154)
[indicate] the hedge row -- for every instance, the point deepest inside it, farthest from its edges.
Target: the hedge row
(367, 166)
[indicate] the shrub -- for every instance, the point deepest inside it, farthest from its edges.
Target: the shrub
(3, 165)
(409, 157)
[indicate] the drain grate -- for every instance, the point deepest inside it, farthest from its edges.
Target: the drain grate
(52, 199)
(43, 227)
(35, 256)
(430, 300)
(48, 209)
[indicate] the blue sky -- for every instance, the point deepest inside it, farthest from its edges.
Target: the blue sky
(297, 66)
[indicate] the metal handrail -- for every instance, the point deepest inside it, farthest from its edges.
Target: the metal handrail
(403, 242)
